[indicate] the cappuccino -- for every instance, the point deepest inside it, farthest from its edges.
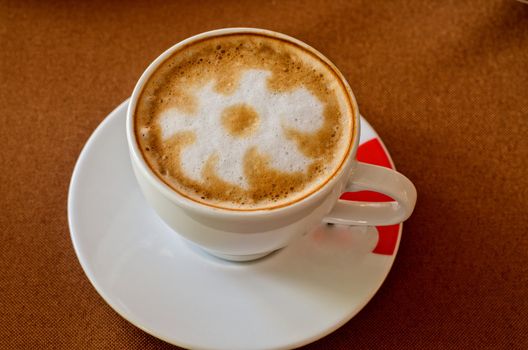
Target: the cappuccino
(244, 122)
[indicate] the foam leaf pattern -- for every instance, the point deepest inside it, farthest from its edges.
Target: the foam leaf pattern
(297, 109)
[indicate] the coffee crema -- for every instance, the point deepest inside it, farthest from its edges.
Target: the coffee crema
(244, 122)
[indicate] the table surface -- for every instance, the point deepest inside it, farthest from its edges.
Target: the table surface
(444, 83)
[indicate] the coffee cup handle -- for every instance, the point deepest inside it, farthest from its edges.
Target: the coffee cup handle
(378, 179)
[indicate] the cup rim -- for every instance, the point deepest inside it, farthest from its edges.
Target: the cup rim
(198, 207)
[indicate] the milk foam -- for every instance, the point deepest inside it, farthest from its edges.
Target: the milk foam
(297, 109)
(244, 122)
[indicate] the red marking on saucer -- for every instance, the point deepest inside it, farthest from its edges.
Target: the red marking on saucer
(366, 196)
(387, 239)
(373, 152)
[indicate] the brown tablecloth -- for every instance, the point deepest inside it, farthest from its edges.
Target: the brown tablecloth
(445, 83)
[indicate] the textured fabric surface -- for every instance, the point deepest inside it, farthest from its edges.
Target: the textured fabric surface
(445, 83)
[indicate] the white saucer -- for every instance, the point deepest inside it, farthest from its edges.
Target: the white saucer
(174, 291)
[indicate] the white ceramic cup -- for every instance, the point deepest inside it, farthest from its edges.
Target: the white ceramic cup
(248, 235)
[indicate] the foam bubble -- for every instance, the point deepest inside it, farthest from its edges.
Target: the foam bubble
(145, 132)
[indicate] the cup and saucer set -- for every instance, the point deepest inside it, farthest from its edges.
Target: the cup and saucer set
(203, 278)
